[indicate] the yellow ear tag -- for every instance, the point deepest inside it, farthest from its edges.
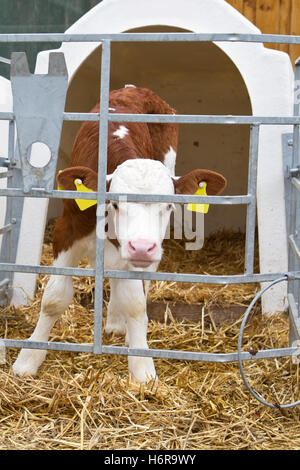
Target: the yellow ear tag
(202, 208)
(59, 188)
(83, 204)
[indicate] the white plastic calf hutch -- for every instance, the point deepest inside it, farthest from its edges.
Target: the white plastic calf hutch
(205, 78)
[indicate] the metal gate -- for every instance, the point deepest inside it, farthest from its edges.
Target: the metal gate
(25, 181)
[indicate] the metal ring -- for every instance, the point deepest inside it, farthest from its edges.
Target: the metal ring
(240, 339)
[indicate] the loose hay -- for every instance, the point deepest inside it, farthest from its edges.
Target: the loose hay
(83, 401)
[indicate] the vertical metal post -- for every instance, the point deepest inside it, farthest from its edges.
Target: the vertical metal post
(12, 162)
(14, 208)
(11, 143)
(101, 199)
(251, 208)
(293, 263)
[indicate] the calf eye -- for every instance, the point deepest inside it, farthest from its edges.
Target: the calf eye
(115, 205)
(170, 207)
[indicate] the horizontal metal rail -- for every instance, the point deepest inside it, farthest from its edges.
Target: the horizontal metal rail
(4, 60)
(199, 278)
(204, 119)
(152, 276)
(177, 118)
(6, 174)
(6, 228)
(4, 283)
(176, 198)
(156, 353)
(7, 116)
(4, 162)
(152, 37)
(27, 269)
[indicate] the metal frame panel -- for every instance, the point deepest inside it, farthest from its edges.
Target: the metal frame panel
(15, 191)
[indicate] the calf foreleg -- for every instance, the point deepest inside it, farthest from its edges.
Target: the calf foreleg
(128, 297)
(115, 321)
(56, 299)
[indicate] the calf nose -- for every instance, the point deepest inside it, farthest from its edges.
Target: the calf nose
(141, 249)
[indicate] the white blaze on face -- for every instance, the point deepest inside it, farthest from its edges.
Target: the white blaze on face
(140, 227)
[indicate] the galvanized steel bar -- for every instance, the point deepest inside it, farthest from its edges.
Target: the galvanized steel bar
(294, 237)
(296, 183)
(205, 119)
(152, 37)
(28, 268)
(4, 162)
(155, 353)
(199, 356)
(6, 228)
(199, 278)
(293, 193)
(184, 118)
(4, 60)
(178, 198)
(101, 198)
(144, 275)
(12, 218)
(7, 116)
(47, 345)
(251, 208)
(4, 283)
(11, 143)
(178, 118)
(294, 327)
(294, 247)
(5, 174)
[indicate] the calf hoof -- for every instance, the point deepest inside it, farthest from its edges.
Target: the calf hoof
(28, 362)
(142, 369)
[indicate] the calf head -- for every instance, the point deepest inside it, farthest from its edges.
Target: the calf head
(138, 229)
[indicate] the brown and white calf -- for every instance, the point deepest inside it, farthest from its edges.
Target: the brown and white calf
(141, 159)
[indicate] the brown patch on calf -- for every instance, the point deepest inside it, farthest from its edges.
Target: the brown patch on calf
(189, 183)
(74, 224)
(67, 177)
(143, 140)
(114, 241)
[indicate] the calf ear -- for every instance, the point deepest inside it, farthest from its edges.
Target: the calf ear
(189, 183)
(89, 178)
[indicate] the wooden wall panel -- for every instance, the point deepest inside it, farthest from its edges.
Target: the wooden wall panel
(285, 22)
(273, 17)
(295, 28)
(267, 17)
(238, 4)
(249, 10)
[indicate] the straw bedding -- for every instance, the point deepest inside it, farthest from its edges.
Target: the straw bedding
(82, 401)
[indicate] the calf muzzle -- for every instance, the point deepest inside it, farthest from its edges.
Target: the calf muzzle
(142, 252)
